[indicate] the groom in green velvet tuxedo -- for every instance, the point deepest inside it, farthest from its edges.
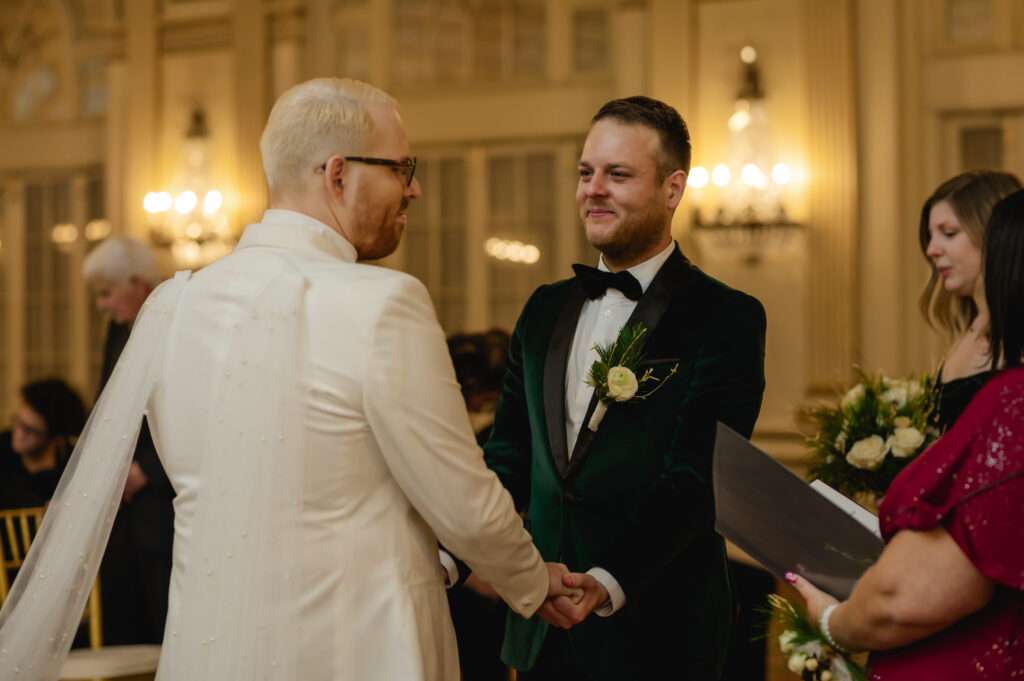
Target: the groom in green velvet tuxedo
(630, 502)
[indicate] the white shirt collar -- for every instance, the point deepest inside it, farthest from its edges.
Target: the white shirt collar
(645, 271)
(297, 231)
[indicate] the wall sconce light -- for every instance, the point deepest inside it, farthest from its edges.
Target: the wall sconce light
(748, 215)
(513, 251)
(191, 224)
(65, 234)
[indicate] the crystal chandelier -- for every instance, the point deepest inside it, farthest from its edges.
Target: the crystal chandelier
(748, 213)
(191, 224)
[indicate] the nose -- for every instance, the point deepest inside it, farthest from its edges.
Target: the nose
(593, 186)
(413, 191)
(933, 251)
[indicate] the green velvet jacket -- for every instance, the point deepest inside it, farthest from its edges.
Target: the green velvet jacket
(636, 497)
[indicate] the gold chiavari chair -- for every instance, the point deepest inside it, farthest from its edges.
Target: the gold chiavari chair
(18, 528)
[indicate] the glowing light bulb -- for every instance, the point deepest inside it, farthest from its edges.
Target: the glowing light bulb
(720, 175)
(212, 203)
(752, 176)
(739, 120)
(157, 202)
(781, 173)
(186, 202)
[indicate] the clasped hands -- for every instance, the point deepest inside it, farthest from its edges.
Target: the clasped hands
(572, 596)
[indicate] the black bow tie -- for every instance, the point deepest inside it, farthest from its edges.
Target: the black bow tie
(595, 282)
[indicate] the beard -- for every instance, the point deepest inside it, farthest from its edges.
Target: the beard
(387, 233)
(634, 235)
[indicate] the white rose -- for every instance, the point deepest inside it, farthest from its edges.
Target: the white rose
(914, 388)
(786, 640)
(622, 384)
(796, 662)
(896, 395)
(904, 442)
(867, 453)
(811, 664)
(852, 395)
(901, 422)
(826, 675)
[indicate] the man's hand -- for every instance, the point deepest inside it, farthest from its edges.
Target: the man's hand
(565, 611)
(481, 587)
(136, 481)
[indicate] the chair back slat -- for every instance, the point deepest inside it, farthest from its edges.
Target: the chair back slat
(19, 528)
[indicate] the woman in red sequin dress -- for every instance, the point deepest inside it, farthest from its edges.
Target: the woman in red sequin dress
(945, 601)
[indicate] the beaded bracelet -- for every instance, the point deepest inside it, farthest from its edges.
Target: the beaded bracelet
(823, 624)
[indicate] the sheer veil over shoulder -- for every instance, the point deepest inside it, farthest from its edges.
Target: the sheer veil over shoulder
(234, 607)
(45, 605)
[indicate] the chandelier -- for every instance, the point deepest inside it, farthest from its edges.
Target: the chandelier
(748, 214)
(191, 224)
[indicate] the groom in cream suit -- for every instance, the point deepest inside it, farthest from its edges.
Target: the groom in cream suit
(308, 416)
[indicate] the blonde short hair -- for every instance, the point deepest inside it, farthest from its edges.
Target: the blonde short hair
(120, 257)
(314, 120)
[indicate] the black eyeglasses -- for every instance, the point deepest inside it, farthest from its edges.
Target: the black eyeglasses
(406, 168)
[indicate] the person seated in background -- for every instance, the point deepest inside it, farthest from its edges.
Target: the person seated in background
(945, 600)
(476, 609)
(479, 361)
(35, 450)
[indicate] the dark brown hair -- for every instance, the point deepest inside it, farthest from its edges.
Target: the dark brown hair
(673, 135)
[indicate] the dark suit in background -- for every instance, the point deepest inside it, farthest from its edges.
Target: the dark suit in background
(135, 574)
(636, 496)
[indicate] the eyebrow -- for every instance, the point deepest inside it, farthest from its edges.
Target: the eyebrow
(610, 166)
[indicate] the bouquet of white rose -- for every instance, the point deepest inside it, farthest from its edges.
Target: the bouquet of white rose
(879, 426)
(810, 655)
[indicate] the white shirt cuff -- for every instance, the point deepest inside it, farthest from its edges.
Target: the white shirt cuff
(448, 563)
(616, 597)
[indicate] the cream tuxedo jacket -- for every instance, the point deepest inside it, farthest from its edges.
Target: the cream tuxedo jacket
(389, 460)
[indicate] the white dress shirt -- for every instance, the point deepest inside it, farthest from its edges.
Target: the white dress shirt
(599, 323)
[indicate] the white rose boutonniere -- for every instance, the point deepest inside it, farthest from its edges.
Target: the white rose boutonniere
(622, 384)
(614, 374)
(867, 453)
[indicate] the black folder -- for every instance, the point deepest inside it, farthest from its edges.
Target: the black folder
(782, 523)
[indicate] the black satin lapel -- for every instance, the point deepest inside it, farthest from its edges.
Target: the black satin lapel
(663, 289)
(649, 311)
(554, 377)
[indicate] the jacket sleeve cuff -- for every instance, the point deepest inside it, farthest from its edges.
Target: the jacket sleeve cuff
(616, 597)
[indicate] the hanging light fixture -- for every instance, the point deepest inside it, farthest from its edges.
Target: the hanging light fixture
(191, 224)
(748, 214)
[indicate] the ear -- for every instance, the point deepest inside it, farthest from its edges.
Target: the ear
(334, 175)
(675, 185)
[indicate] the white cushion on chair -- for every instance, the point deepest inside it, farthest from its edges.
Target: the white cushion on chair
(110, 661)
